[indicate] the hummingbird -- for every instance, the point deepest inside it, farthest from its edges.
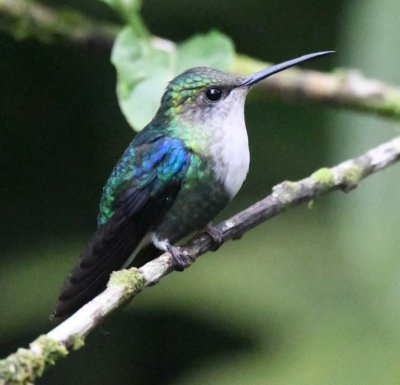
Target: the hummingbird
(175, 176)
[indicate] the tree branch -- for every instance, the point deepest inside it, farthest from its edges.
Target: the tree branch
(345, 89)
(25, 365)
(29, 19)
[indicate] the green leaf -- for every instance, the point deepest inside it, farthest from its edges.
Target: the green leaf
(143, 70)
(211, 50)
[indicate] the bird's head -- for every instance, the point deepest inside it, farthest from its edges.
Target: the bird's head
(205, 93)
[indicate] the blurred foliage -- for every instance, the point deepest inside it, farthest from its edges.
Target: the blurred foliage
(128, 9)
(308, 298)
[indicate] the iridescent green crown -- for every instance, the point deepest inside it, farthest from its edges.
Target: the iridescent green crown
(193, 81)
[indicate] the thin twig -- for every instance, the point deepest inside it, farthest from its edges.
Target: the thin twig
(25, 365)
(345, 89)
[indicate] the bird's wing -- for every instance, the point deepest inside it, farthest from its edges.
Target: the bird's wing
(133, 206)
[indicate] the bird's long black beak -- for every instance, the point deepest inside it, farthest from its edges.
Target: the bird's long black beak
(260, 75)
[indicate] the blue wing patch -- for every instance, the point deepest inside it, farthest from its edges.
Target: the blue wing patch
(156, 163)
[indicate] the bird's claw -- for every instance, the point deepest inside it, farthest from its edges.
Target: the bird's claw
(182, 260)
(216, 236)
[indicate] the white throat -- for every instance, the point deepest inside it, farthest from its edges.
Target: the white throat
(229, 147)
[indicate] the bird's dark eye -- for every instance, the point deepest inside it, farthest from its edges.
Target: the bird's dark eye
(213, 94)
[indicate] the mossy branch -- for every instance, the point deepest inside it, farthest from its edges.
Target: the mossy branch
(344, 89)
(28, 19)
(348, 89)
(25, 365)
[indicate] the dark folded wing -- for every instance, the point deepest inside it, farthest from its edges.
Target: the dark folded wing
(138, 204)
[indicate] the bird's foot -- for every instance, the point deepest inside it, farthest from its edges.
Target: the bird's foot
(216, 236)
(182, 259)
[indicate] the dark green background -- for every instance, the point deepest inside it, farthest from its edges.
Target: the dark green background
(310, 297)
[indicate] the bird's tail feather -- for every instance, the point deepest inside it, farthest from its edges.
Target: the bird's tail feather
(106, 253)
